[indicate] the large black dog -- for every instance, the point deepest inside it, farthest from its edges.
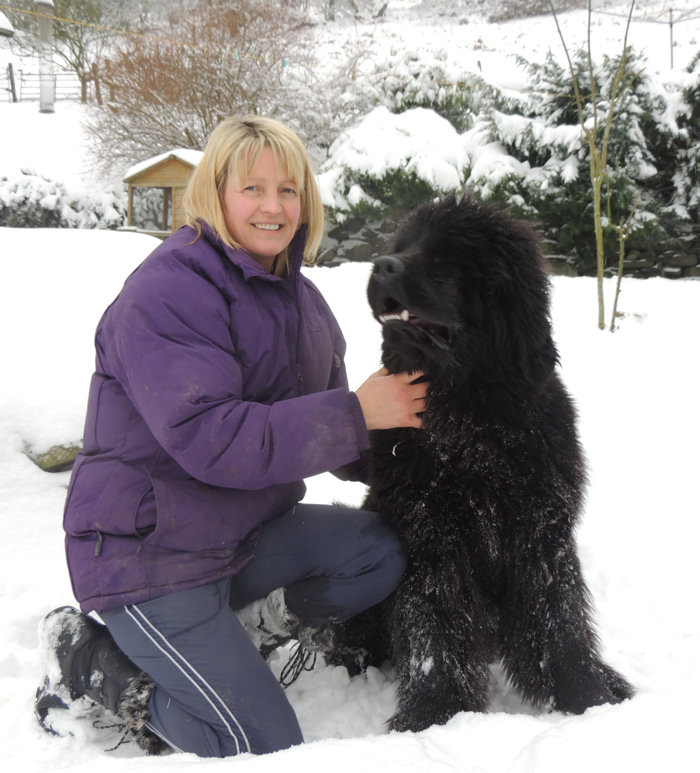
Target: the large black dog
(487, 494)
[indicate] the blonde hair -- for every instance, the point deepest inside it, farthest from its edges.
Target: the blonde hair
(233, 149)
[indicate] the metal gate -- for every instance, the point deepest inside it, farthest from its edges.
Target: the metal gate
(23, 86)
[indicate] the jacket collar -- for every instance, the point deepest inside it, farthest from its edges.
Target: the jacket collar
(248, 265)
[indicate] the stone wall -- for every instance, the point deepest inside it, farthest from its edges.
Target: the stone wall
(358, 240)
(676, 259)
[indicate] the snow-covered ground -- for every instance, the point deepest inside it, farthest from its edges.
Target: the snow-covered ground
(637, 392)
(637, 395)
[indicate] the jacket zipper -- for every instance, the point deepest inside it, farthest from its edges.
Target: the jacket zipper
(295, 288)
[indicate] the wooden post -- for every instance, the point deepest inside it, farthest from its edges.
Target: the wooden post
(96, 81)
(164, 212)
(130, 207)
(11, 77)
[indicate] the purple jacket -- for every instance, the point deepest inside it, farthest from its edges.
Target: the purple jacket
(218, 388)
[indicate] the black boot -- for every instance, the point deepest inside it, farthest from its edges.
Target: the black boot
(84, 664)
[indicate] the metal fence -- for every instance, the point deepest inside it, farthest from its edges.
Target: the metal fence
(21, 86)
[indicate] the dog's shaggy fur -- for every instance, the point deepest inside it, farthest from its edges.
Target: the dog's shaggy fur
(487, 494)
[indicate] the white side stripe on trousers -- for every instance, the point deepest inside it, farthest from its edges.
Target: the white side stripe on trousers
(207, 691)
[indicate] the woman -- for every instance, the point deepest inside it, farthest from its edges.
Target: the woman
(219, 386)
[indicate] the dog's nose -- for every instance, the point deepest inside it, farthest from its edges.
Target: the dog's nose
(386, 267)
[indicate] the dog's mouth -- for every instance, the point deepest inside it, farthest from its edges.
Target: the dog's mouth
(404, 315)
(393, 311)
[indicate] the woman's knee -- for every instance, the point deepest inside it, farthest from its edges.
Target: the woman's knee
(380, 557)
(392, 561)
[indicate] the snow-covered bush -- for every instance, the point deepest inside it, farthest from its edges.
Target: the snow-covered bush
(392, 160)
(686, 171)
(401, 80)
(525, 150)
(410, 81)
(28, 200)
(548, 176)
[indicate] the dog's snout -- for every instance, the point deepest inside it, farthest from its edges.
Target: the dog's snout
(387, 266)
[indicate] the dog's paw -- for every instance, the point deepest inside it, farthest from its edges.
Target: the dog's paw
(418, 712)
(618, 687)
(415, 722)
(600, 685)
(354, 659)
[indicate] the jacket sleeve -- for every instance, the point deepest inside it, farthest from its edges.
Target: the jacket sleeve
(358, 469)
(175, 360)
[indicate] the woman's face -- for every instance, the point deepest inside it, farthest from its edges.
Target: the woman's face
(262, 211)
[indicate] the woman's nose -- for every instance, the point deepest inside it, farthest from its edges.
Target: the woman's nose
(271, 203)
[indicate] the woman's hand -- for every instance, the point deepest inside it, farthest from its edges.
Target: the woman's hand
(392, 400)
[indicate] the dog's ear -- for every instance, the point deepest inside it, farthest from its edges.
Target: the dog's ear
(518, 313)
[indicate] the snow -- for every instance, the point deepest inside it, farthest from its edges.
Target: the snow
(6, 27)
(50, 144)
(636, 392)
(189, 156)
(57, 328)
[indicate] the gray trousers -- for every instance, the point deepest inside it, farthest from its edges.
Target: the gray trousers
(215, 696)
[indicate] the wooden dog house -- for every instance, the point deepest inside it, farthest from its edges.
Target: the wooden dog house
(156, 187)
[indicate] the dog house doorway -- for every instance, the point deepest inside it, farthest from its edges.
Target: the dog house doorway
(156, 188)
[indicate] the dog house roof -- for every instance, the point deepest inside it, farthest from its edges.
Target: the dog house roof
(186, 155)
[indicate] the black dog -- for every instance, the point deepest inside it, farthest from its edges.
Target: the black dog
(487, 494)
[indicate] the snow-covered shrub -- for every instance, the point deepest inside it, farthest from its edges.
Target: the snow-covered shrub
(685, 177)
(28, 200)
(410, 82)
(392, 160)
(547, 176)
(365, 75)
(524, 149)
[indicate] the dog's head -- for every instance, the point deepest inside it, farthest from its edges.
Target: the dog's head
(464, 295)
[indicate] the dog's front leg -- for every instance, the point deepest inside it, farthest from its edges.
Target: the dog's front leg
(441, 659)
(551, 651)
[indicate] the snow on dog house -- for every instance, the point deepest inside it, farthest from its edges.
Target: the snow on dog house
(156, 187)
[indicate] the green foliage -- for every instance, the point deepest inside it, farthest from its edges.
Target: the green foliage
(538, 159)
(397, 187)
(364, 210)
(431, 89)
(372, 198)
(551, 94)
